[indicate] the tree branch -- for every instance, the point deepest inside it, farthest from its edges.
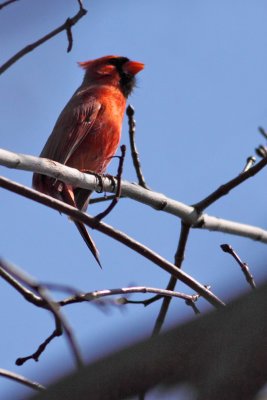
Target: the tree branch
(75, 214)
(155, 200)
(134, 152)
(51, 306)
(178, 259)
(90, 296)
(36, 355)
(244, 266)
(28, 295)
(227, 187)
(68, 24)
(21, 379)
(6, 3)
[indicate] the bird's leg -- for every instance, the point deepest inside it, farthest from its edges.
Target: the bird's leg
(100, 185)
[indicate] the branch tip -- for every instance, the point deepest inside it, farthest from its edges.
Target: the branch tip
(263, 132)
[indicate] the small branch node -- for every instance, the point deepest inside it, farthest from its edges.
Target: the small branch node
(250, 162)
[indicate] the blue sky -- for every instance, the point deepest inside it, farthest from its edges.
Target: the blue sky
(198, 105)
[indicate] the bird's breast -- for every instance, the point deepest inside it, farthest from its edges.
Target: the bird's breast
(100, 144)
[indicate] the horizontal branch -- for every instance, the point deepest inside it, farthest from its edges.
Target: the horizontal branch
(97, 294)
(153, 199)
(121, 237)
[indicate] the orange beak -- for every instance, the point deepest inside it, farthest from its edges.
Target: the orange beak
(133, 67)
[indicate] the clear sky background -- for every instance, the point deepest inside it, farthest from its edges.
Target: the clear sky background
(198, 105)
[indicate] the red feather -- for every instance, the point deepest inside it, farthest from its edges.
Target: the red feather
(87, 132)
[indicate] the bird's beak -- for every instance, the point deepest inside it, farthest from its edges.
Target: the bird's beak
(133, 67)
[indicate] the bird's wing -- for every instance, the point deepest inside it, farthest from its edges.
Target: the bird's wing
(75, 122)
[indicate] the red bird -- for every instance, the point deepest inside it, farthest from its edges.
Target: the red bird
(88, 130)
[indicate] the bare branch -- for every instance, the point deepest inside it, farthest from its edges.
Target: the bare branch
(76, 214)
(68, 24)
(51, 305)
(28, 295)
(155, 200)
(227, 187)
(96, 200)
(244, 266)
(6, 3)
(134, 152)
(21, 379)
(222, 356)
(91, 296)
(36, 355)
(178, 259)
(263, 132)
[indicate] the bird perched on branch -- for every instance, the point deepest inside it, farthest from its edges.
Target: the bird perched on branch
(87, 132)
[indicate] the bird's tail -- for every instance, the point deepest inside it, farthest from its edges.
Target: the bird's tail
(69, 197)
(89, 241)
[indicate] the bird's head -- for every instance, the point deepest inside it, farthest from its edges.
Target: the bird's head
(112, 70)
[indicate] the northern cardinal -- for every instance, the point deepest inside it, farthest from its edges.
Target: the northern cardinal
(87, 132)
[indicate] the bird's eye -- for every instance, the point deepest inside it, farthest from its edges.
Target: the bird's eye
(118, 61)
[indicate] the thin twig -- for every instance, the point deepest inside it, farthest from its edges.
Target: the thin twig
(263, 132)
(77, 296)
(36, 355)
(28, 295)
(96, 200)
(227, 187)
(134, 152)
(178, 260)
(6, 3)
(51, 305)
(21, 379)
(244, 266)
(68, 24)
(91, 296)
(76, 214)
(115, 200)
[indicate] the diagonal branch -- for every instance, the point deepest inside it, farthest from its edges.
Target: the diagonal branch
(21, 379)
(68, 24)
(36, 354)
(77, 215)
(60, 320)
(28, 295)
(227, 187)
(178, 259)
(244, 266)
(6, 3)
(155, 200)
